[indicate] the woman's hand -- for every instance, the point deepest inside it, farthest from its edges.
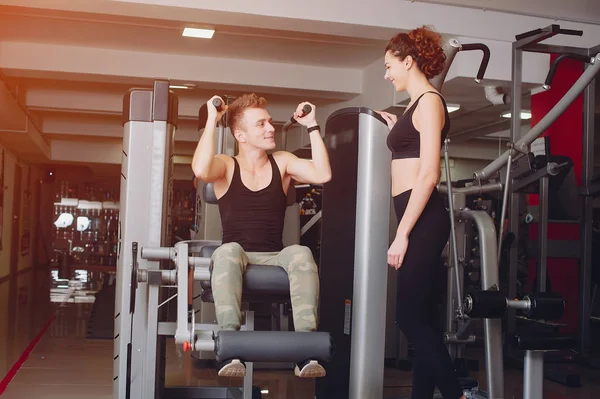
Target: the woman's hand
(397, 251)
(391, 119)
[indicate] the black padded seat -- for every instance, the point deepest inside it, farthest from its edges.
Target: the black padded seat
(542, 342)
(261, 283)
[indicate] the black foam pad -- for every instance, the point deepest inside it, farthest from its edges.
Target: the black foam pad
(273, 346)
(208, 193)
(254, 297)
(540, 342)
(272, 280)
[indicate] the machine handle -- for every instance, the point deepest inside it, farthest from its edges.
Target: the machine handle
(484, 62)
(557, 61)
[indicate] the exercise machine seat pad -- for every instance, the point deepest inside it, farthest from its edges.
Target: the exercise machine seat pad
(273, 346)
(541, 342)
(258, 279)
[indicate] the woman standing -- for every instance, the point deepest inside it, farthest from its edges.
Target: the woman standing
(415, 140)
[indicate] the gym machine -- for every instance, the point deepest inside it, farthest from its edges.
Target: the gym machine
(145, 265)
(530, 41)
(487, 180)
(492, 304)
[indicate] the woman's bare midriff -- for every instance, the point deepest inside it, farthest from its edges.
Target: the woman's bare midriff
(404, 174)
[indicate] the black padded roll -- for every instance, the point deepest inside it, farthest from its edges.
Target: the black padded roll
(545, 305)
(539, 342)
(263, 279)
(207, 297)
(486, 304)
(273, 346)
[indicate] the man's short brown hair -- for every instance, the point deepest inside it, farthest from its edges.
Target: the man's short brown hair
(235, 111)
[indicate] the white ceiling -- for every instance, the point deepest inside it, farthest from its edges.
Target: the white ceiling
(587, 11)
(63, 62)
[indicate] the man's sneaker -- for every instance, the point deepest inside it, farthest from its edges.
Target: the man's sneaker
(234, 368)
(309, 369)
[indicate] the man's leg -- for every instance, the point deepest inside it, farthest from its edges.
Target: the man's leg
(302, 271)
(228, 263)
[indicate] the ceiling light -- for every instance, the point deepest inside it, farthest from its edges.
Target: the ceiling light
(200, 33)
(183, 86)
(452, 107)
(524, 115)
(265, 391)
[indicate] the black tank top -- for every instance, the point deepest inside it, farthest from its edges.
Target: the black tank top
(404, 139)
(254, 219)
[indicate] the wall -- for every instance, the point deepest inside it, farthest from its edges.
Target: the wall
(461, 168)
(30, 216)
(28, 213)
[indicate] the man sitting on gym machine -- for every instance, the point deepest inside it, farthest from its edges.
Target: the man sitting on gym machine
(251, 189)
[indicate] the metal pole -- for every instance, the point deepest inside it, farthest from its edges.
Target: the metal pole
(586, 218)
(533, 375)
(220, 138)
(504, 202)
(542, 270)
(515, 130)
(453, 231)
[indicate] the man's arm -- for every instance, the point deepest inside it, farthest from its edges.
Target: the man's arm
(317, 171)
(207, 166)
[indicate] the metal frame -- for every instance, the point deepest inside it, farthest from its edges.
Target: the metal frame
(494, 364)
(532, 45)
(586, 84)
(148, 124)
(587, 212)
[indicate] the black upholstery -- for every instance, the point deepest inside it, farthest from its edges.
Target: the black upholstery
(208, 193)
(260, 282)
(273, 346)
(541, 342)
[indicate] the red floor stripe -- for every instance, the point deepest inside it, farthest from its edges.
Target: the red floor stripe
(24, 356)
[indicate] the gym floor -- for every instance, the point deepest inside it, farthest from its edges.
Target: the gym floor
(66, 360)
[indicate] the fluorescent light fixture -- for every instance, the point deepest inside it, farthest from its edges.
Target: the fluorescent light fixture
(199, 33)
(183, 86)
(524, 115)
(265, 391)
(452, 107)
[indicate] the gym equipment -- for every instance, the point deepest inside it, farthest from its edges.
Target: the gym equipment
(489, 279)
(268, 283)
(519, 147)
(354, 242)
(530, 41)
(150, 119)
(541, 305)
(492, 304)
(145, 268)
(305, 111)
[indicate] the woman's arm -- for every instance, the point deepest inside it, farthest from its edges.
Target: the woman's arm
(429, 121)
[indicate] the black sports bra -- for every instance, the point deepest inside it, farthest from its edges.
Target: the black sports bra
(404, 139)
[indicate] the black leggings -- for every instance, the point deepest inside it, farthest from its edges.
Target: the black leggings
(417, 314)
